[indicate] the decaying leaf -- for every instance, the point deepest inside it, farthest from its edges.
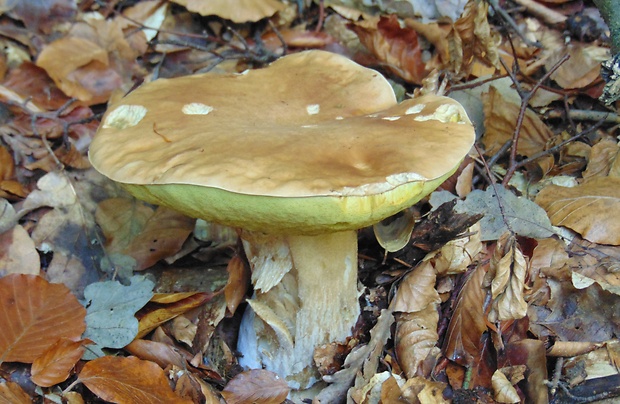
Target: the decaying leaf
(393, 45)
(154, 318)
(18, 254)
(35, 315)
(500, 117)
(518, 214)
(111, 308)
(55, 365)
(12, 393)
(415, 337)
(603, 156)
(256, 386)
(363, 360)
(417, 290)
(463, 338)
(504, 389)
(586, 208)
(145, 234)
(506, 279)
(238, 283)
(128, 380)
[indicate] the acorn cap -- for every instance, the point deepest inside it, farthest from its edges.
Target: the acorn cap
(313, 143)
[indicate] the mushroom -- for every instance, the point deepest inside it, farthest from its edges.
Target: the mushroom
(297, 156)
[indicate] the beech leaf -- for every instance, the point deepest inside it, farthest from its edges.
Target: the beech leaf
(34, 315)
(128, 380)
(256, 386)
(586, 208)
(55, 365)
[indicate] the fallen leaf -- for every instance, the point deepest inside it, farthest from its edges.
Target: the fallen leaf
(462, 343)
(517, 214)
(417, 290)
(74, 63)
(12, 393)
(504, 390)
(586, 208)
(256, 386)
(158, 352)
(128, 380)
(396, 47)
(506, 279)
(155, 317)
(238, 283)
(583, 66)
(35, 315)
(55, 365)
(148, 235)
(18, 254)
(415, 337)
(500, 117)
(111, 320)
(603, 155)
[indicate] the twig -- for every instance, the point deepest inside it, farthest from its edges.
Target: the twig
(584, 115)
(525, 99)
(511, 22)
(319, 24)
(544, 13)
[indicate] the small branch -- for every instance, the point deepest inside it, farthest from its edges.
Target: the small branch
(584, 115)
(525, 99)
(546, 14)
(511, 22)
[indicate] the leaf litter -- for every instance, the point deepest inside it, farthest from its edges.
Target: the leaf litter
(537, 275)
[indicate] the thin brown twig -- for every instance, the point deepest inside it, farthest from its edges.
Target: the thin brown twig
(525, 99)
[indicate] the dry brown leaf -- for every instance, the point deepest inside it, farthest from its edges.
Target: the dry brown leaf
(457, 254)
(238, 283)
(586, 208)
(55, 365)
(415, 337)
(18, 254)
(32, 82)
(463, 338)
(158, 352)
(505, 392)
(12, 393)
(8, 187)
(80, 68)
(35, 315)
(506, 278)
(128, 380)
(500, 117)
(234, 10)
(397, 47)
(135, 229)
(582, 68)
(424, 391)
(256, 386)
(476, 39)
(152, 319)
(417, 290)
(603, 155)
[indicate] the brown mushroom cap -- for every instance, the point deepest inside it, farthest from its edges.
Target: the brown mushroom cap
(312, 143)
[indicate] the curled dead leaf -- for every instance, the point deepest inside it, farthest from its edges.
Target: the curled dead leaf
(586, 208)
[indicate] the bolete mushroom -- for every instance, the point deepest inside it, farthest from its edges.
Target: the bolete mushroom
(298, 156)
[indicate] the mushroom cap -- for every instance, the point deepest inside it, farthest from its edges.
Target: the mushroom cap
(312, 143)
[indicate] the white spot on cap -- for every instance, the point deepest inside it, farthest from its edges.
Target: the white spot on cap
(125, 116)
(313, 109)
(391, 118)
(339, 118)
(444, 113)
(309, 126)
(196, 108)
(416, 109)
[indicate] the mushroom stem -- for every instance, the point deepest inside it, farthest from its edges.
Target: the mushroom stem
(305, 295)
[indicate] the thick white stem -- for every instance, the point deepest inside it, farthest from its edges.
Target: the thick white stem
(306, 295)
